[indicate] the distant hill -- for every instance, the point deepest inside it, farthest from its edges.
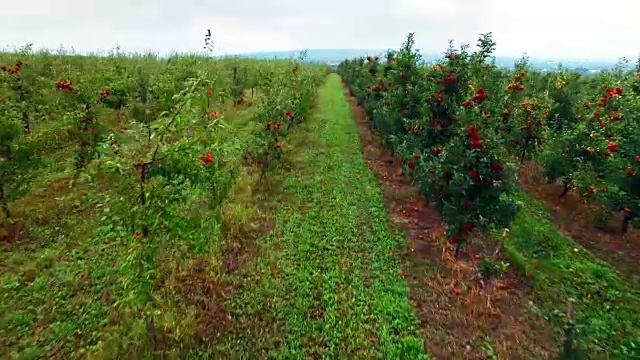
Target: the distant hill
(329, 55)
(335, 56)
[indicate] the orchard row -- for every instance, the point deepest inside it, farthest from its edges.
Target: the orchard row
(144, 119)
(465, 125)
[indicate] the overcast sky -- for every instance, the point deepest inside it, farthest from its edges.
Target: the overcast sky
(542, 28)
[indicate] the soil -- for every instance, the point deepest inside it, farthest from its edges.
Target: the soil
(10, 232)
(453, 326)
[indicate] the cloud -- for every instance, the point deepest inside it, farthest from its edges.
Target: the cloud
(543, 28)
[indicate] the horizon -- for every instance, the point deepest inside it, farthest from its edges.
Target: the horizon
(377, 51)
(354, 52)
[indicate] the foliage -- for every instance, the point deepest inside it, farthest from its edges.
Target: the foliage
(137, 154)
(463, 127)
(452, 152)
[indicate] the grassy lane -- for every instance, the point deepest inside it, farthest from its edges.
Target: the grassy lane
(606, 304)
(324, 283)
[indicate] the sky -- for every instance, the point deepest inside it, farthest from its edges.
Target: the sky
(581, 29)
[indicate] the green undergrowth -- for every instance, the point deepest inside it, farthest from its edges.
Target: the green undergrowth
(70, 285)
(323, 284)
(606, 308)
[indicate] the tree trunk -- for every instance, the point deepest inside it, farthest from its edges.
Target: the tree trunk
(25, 117)
(151, 331)
(143, 180)
(3, 201)
(457, 251)
(524, 151)
(26, 124)
(625, 224)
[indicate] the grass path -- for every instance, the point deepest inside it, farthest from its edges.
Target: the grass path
(324, 283)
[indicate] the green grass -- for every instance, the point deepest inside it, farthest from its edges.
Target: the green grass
(323, 284)
(606, 305)
(78, 276)
(319, 284)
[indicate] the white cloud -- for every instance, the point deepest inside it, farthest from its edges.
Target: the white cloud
(542, 28)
